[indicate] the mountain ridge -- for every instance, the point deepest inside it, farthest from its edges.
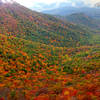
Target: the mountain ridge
(93, 12)
(81, 18)
(25, 23)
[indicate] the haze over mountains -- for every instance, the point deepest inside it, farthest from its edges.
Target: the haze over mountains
(54, 5)
(63, 11)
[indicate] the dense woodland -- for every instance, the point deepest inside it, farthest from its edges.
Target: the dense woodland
(45, 58)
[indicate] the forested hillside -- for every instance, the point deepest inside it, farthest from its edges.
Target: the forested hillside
(81, 18)
(21, 22)
(30, 70)
(45, 58)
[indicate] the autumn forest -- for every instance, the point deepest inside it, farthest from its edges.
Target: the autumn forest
(43, 57)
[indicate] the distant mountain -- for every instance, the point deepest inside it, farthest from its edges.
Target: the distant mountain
(42, 6)
(81, 18)
(24, 23)
(63, 11)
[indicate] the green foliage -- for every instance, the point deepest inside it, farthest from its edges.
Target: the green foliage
(82, 54)
(8, 75)
(68, 70)
(69, 83)
(49, 72)
(33, 69)
(12, 71)
(13, 94)
(23, 69)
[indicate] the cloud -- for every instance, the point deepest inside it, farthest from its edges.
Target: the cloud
(30, 3)
(90, 2)
(42, 4)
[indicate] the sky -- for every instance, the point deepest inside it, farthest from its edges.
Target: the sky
(45, 4)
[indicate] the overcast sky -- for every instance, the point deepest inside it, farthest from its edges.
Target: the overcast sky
(30, 3)
(39, 3)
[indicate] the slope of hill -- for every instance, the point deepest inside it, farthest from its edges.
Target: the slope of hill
(30, 70)
(81, 18)
(21, 22)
